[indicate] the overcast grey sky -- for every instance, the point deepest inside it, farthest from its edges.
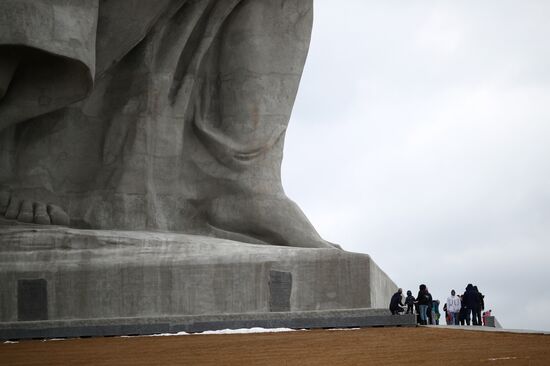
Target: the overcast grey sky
(421, 136)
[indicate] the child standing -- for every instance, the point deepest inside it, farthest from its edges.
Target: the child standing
(409, 301)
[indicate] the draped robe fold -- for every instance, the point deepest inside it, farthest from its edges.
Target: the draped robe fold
(165, 115)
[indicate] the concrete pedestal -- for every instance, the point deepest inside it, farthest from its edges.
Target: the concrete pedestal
(60, 274)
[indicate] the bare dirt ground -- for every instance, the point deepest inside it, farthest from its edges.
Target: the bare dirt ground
(368, 346)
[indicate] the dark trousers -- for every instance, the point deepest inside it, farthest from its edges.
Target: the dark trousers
(462, 316)
(476, 316)
(472, 314)
(410, 309)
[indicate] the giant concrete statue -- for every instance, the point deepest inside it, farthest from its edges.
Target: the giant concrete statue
(140, 155)
(165, 115)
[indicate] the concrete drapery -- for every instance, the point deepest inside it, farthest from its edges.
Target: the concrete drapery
(163, 115)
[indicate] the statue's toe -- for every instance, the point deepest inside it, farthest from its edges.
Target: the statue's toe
(41, 214)
(58, 216)
(26, 212)
(13, 209)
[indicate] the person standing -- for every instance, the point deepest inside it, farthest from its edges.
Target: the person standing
(480, 306)
(396, 302)
(409, 301)
(453, 307)
(470, 301)
(462, 314)
(447, 314)
(435, 312)
(424, 300)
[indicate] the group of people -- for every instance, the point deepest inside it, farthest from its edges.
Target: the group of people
(459, 309)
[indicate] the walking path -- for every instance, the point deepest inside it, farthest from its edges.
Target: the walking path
(372, 346)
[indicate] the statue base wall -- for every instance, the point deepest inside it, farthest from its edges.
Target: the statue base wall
(65, 275)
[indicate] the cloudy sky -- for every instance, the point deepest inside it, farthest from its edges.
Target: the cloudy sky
(421, 136)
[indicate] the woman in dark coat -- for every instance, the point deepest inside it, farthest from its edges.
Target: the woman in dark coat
(480, 306)
(424, 300)
(470, 301)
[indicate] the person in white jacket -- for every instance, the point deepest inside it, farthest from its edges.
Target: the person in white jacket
(453, 307)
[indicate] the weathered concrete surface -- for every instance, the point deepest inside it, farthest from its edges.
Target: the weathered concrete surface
(201, 323)
(169, 116)
(86, 274)
(152, 115)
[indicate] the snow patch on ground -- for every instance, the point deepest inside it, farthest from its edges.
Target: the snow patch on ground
(502, 358)
(223, 331)
(248, 330)
(344, 329)
(168, 334)
(54, 339)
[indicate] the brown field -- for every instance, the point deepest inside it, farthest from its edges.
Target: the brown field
(368, 346)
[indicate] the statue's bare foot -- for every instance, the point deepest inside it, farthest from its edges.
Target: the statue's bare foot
(13, 208)
(272, 220)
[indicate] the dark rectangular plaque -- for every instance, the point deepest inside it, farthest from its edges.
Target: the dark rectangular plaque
(32, 300)
(280, 289)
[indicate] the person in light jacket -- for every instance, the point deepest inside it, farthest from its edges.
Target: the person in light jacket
(453, 307)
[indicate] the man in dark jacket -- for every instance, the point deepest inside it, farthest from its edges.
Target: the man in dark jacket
(470, 300)
(396, 302)
(479, 308)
